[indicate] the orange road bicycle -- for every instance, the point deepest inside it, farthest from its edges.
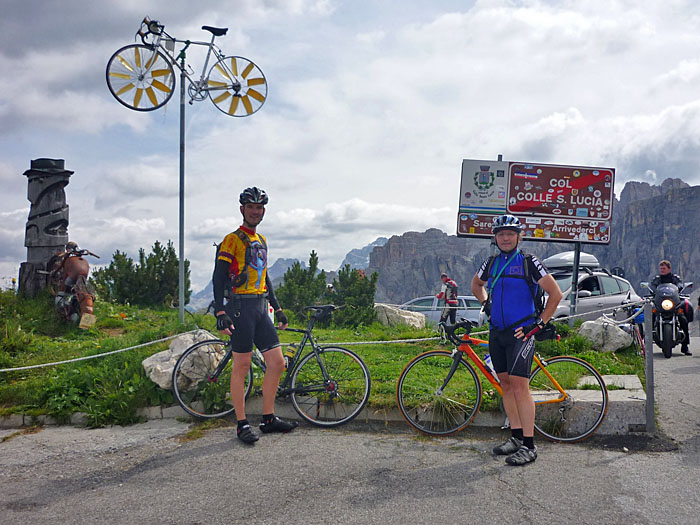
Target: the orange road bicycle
(439, 392)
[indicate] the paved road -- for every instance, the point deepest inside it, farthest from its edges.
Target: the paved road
(146, 473)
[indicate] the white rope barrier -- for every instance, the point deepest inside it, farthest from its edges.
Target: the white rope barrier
(345, 343)
(96, 355)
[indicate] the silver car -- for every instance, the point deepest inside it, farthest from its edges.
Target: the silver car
(430, 306)
(597, 290)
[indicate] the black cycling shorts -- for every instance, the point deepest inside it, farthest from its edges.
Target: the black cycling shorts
(252, 325)
(510, 354)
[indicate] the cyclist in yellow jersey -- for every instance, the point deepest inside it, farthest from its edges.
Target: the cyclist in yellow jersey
(241, 271)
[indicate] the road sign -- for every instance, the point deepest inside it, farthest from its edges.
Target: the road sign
(560, 191)
(554, 202)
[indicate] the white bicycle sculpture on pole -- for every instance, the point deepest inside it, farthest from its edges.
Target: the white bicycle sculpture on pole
(142, 76)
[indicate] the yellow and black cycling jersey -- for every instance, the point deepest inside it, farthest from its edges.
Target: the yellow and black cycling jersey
(247, 260)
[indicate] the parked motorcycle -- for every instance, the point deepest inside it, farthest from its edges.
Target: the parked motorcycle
(668, 304)
(74, 295)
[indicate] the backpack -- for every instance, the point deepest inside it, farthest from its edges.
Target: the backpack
(241, 278)
(451, 292)
(548, 332)
(538, 295)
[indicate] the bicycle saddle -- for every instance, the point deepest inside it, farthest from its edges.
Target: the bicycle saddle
(216, 31)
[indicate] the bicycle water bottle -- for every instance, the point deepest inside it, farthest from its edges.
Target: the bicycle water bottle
(289, 353)
(487, 360)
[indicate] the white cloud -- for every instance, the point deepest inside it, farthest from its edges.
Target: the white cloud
(371, 108)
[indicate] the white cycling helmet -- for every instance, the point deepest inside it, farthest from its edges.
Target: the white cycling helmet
(506, 222)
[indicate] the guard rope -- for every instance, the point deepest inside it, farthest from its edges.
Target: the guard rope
(96, 355)
(345, 343)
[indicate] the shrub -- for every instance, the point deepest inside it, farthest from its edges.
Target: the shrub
(150, 282)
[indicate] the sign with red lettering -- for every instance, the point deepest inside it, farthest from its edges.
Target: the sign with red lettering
(555, 203)
(560, 191)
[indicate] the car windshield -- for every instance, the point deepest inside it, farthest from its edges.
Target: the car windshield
(563, 280)
(473, 304)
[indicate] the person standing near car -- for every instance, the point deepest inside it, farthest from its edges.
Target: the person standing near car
(507, 289)
(448, 292)
(665, 276)
(241, 270)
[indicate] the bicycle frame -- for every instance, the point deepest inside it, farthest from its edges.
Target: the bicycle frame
(200, 85)
(284, 386)
(466, 349)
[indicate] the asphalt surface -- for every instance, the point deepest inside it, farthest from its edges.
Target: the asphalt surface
(151, 473)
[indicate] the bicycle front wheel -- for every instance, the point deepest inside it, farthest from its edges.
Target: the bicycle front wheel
(430, 406)
(195, 388)
(236, 86)
(140, 78)
(576, 413)
(334, 398)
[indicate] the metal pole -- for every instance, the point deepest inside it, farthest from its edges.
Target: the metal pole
(649, 362)
(574, 283)
(181, 290)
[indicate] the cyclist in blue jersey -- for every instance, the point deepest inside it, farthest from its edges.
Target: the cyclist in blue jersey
(508, 289)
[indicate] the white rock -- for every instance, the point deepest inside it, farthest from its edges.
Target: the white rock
(159, 367)
(606, 336)
(392, 316)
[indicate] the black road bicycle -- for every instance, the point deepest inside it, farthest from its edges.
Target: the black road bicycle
(327, 385)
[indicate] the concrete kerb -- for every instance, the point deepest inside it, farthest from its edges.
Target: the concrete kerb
(626, 411)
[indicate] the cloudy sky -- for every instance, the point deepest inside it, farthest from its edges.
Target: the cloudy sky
(372, 106)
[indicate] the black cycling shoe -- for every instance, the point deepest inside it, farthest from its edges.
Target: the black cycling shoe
(522, 457)
(246, 434)
(278, 425)
(509, 447)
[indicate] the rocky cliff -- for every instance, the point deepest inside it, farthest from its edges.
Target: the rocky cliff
(359, 257)
(653, 226)
(410, 265)
(650, 223)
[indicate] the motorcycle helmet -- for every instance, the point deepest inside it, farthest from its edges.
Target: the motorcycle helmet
(506, 222)
(253, 195)
(72, 246)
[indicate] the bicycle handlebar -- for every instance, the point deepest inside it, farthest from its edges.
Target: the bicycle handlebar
(80, 253)
(451, 328)
(149, 27)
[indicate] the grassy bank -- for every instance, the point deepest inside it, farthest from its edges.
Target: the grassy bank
(111, 389)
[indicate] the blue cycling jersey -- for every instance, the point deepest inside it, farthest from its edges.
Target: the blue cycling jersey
(512, 303)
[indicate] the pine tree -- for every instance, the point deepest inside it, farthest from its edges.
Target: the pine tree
(154, 280)
(356, 292)
(302, 287)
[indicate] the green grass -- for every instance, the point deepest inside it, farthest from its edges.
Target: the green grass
(110, 390)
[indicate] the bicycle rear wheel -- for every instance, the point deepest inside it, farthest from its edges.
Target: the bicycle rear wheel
(236, 86)
(139, 78)
(194, 388)
(430, 407)
(336, 400)
(575, 415)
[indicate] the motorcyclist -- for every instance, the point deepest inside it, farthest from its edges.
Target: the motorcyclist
(665, 276)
